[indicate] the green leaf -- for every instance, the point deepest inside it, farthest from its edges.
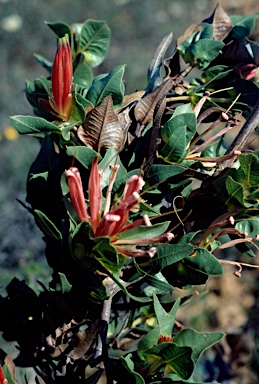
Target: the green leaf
(144, 232)
(39, 89)
(93, 41)
(115, 277)
(177, 359)
(47, 64)
(122, 179)
(31, 124)
(107, 255)
(44, 175)
(250, 226)
(159, 282)
(174, 151)
(8, 375)
(183, 275)
(249, 164)
(47, 227)
(83, 74)
(181, 118)
(242, 26)
(84, 155)
(204, 51)
(198, 341)
(215, 73)
(148, 341)
(111, 157)
(236, 191)
(204, 262)
(110, 84)
(170, 254)
(159, 173)
(59, 28)
(129, 365)
(165, 320)
(65, 285)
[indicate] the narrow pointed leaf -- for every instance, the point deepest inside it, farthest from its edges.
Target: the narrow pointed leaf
(165, 320)
(47, 227)
(154, 75)
(31, 124)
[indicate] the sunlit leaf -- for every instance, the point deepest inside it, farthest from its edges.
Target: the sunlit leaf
(198, 341)
(93, 40)
(110, 84)
(242, 25)
(165, 319)
(162, 172)
(31, 124)
(205, 262)
(170, 254)
(84, 155)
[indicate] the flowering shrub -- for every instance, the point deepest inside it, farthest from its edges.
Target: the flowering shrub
(134, 196)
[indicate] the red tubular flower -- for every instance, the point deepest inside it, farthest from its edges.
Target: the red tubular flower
(60, 101)
(115, 221)
(2, 377)
(95, 195)
(247, 71)
(77, 193)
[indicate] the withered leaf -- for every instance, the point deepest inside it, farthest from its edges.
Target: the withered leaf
(221, 22)
(144, 109)
(83, 340)
(155, 134)
(101, 129)
(128, 99)
(154, 70)
(125, 120)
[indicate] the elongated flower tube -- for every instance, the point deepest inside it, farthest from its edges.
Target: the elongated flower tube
(95, 195)
(60, 100)
(77, 193)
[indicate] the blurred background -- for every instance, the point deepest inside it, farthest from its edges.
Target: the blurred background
(137, 27)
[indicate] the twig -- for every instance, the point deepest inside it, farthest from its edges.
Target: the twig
(241, 139)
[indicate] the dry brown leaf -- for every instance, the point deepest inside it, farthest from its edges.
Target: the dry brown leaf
(128, 99)
(101, 129)
(221, 21)
(83, 340)
(155, 134)
(144, 109)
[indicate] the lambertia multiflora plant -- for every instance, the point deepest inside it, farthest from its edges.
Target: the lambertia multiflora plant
(136, 195)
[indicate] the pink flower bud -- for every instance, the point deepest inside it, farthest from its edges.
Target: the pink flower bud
(76, 193)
